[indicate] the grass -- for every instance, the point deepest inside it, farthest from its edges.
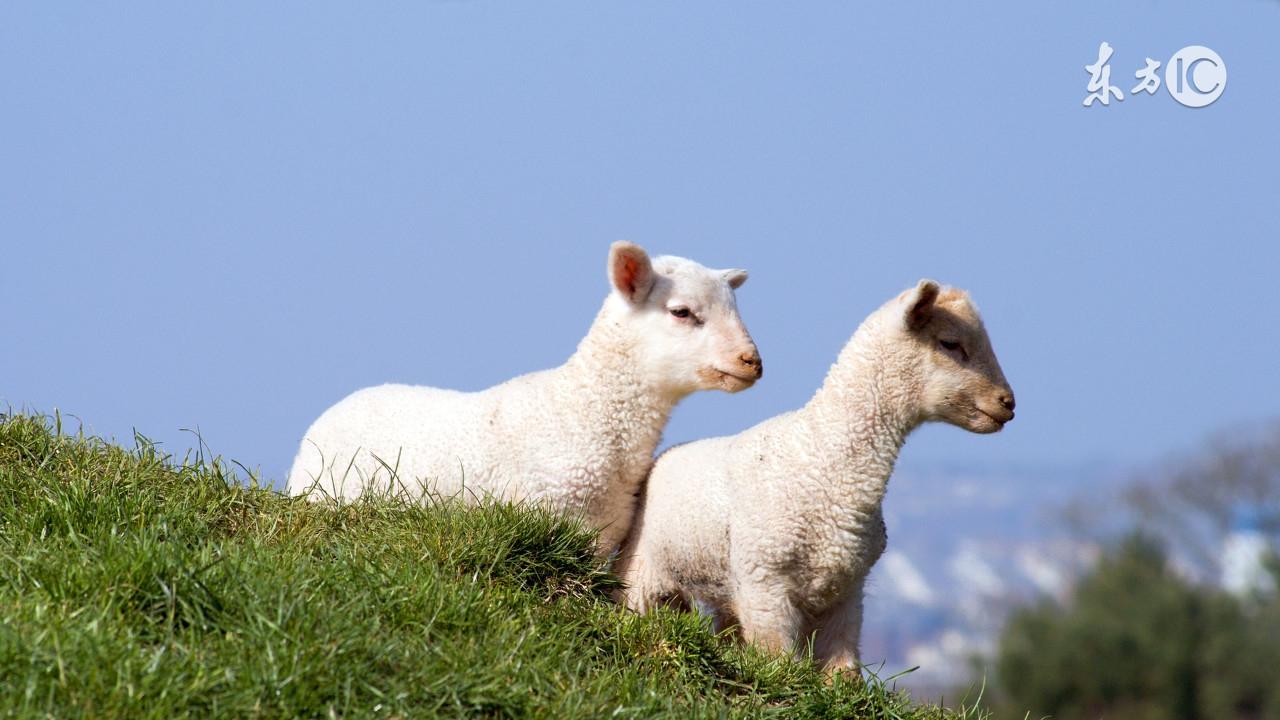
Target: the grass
(134, 585)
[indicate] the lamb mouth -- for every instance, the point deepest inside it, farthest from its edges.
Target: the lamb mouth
(724, 380)
(996, 420)
(728, 378)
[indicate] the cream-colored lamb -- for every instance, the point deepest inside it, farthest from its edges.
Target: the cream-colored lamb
(776, 528)
(577, 438)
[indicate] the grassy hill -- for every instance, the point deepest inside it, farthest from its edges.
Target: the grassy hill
(132, 585)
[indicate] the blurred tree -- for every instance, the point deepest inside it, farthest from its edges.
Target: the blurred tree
(1240, 657)
(1123, 647)
(1138, 641)
(1195, 503)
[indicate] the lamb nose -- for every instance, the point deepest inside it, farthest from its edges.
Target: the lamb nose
(1007, 402)
(752, 360)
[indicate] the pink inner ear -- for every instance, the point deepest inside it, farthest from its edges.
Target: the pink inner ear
(631, 270)
(627, 274)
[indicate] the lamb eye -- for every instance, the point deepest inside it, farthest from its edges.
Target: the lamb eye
(952, 346)
(681, 312)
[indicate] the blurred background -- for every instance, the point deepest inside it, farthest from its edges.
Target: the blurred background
(225, 217)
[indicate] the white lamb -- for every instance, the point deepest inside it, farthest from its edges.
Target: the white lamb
(577, 438)
(776, 528)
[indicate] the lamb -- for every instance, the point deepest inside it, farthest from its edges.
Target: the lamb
(776, 528)
(578, 438)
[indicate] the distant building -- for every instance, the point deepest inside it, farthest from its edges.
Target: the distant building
(1244, 554)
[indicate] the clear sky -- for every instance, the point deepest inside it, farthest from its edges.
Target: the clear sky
(229, 215)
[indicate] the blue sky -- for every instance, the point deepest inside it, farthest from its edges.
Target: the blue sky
(230, 215)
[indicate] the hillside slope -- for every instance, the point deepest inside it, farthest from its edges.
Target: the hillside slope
(134, 586)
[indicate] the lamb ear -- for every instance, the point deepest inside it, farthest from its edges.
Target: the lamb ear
(920, 304)
(630, 271)
(734, 277)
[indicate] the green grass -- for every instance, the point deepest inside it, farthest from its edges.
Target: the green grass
(132, 585)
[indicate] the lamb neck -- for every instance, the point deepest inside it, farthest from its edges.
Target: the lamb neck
(612, 397)
(861, 417)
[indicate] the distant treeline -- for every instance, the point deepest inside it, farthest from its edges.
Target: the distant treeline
(1153, 632)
